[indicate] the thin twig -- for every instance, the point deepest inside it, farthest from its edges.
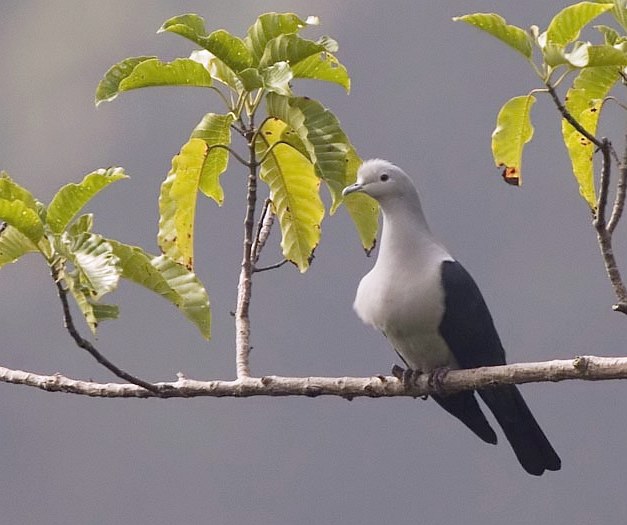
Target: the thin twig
(589, 368)
(270, 267)
(86, 345)
(621, 193)
(570, 119)
(264, 226)
(230, 150)
(606, 152)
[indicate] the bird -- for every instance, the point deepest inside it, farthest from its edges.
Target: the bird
(435, 317)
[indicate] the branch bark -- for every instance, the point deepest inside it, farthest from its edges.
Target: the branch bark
(589, 368)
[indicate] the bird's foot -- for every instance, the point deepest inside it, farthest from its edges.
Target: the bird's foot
(407, 376)
(436, 376)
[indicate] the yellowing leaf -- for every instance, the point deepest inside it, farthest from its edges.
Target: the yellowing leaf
(513, 130)
(294, 192)
(583, 101)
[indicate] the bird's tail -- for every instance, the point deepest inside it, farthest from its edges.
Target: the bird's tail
(531, 446)
(464, 407)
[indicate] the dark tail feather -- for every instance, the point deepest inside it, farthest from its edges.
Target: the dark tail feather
(531, 446)
(464, 407)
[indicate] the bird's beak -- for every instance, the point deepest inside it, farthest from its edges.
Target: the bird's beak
(352, 189)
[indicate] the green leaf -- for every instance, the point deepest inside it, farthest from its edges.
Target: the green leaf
(251, 79)
(289, 48)
(267, 27)
(321, 134)
(294, 192)
(93, 312)
(496, 26)
(323, 66)
(513, 130)
(218, 70)
(13, 245)
(229, 49)
(11, 190)
(363, 209)
(276, 78)
(583, 101)
(214, 130)
(135, 73)
(568, 23)
(94, 261)
(18, 214)
(610, 35)
(587, 55)
(170, 280)
(71, 198)
(84, 224)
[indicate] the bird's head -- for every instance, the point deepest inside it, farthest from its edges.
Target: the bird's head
(382, 180)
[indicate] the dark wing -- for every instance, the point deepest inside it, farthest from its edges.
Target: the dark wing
(469, 331)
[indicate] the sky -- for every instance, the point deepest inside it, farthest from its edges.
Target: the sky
(425, 95)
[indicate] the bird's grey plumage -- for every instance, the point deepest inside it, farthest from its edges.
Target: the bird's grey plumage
(434, 315)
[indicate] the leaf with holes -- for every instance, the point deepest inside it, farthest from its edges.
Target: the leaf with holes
(583, 102)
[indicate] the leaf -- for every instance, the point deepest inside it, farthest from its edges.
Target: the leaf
(513, 130)
(93, 312)
(289, 48)
(583, 102)
(177, 203)
(11, 190)
(170, 280)
(84, 224)
(135, 73)
(228, 48)
(13, 245)
(267, 27)
(610, 35)
(323, 66)
(362, 209)
(294, 192)
(18, 214)
(217, 69)
(108, 87)
(321, 134)
(214, 130)
(567, 24)
(587, 55)
(71, 198)
(496, 26)
(197, 167)
(276, 78)
(94, 262)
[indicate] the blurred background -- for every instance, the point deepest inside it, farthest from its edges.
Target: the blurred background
(425, 95)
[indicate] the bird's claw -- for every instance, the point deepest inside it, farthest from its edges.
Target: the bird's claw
(436, 377)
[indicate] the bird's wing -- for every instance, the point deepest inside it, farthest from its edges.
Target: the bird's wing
(467, 325)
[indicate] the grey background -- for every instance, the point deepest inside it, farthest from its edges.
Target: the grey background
(425, 95)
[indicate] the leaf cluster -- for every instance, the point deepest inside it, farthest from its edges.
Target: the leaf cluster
(89, 264)
(297, 145)
(556, 55)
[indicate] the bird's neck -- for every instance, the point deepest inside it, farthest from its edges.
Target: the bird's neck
(406, 233)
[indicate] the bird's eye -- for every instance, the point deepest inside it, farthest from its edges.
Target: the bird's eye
(384, 177)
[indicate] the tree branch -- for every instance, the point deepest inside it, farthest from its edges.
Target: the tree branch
(86, 345)
(244, 287)
(588, 368)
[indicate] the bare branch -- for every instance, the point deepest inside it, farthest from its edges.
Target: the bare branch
(589, 368)
(263, 230)
(621, 192)
(244, 286)
(86, 345)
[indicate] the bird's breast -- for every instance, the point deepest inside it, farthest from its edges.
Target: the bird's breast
(408, 307)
